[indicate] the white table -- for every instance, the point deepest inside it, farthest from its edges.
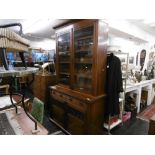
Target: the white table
(138, 87)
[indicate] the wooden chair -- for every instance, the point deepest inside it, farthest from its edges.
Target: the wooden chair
(22, 81)
(5, 88)
(38, 110)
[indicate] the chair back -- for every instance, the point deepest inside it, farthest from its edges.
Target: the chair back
(38, 110)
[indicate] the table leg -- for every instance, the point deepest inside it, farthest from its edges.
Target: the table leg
(138, 99)
(11, 93)
(149, 95)
(24, 107)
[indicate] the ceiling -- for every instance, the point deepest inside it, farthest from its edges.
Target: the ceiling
(145, 24)
(40, 29)
(35, 29)
(114, 32)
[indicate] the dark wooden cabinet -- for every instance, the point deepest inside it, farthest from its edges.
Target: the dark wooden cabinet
(81, 71)
(151, 130)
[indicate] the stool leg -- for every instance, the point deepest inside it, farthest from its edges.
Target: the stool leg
(4, 59)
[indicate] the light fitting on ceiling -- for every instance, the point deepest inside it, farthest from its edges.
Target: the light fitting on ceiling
(32, 26)
(150, 22)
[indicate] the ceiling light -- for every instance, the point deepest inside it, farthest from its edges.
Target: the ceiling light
(149, 21)
(35, 25)
(152, 25)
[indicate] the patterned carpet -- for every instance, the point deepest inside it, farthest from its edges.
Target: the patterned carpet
(147, 113)
(5, 126)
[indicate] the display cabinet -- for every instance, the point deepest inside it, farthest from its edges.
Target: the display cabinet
(77, 102)
(64, 58)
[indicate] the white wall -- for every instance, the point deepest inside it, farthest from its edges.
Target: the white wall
(127, 27)
(47, 44)
(134, 45)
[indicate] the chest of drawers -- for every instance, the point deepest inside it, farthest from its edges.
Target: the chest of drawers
(77, 113)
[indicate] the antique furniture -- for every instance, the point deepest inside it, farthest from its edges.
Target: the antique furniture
(9, 40)
(77, 102)
(41, 86)
(152, 126)
(4, 87)
(38, 110)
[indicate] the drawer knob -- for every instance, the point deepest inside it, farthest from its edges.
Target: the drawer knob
(88, 99)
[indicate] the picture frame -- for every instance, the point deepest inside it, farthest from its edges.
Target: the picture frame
(131, 60)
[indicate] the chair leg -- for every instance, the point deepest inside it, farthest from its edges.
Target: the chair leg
(21, 54)
(4, 58)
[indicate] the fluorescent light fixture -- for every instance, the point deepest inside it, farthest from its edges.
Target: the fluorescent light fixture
(149, 21)
(152, 25)
(32, 26)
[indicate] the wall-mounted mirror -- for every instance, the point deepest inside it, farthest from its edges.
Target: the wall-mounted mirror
(142, 58)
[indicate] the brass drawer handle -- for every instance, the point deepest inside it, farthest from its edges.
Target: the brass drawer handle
(88, 99)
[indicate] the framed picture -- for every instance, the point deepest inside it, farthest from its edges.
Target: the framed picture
(131, 60)
(122, 60)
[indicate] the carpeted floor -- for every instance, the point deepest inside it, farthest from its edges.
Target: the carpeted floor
(147, 113)
(5, 126)
(47, 124)
(134, 126)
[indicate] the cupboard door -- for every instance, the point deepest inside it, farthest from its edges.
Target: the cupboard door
(64, 58)
(83, 55)
(58, 114)
(75, 125)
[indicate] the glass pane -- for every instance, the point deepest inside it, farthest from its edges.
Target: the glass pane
(83, 44)
(64, 58)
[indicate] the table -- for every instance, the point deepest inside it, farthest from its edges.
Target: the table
(17, 71)
(137, 89)
(13, 73)
(21, 124)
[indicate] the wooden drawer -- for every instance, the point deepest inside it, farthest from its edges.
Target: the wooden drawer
(71, 102)
(76, 104)
(58, 96)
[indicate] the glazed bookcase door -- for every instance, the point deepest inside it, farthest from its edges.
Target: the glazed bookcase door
(83, 59)
(64, 58)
